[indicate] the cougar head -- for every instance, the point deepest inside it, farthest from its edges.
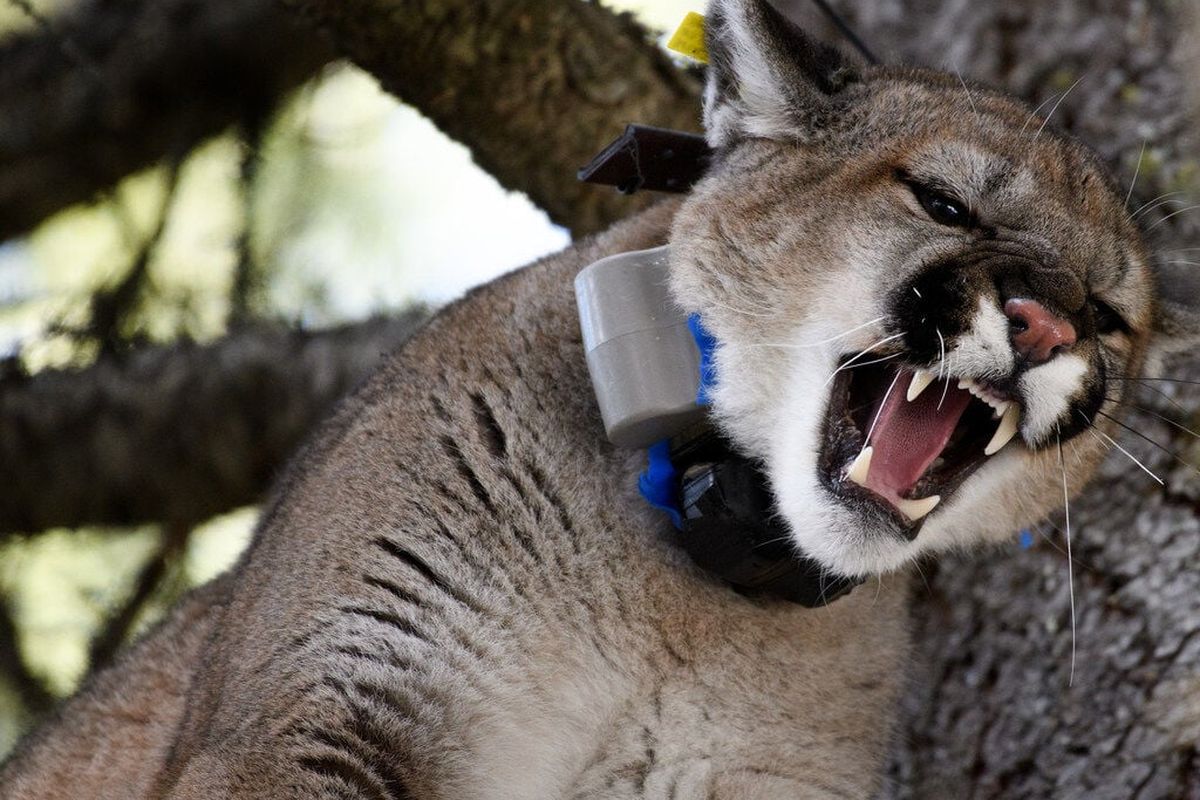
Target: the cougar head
(927, 300)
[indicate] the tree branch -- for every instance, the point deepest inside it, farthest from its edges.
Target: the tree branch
(112, 307)
(101, 92)
(177, 433)
(113, 634)
(533, 87)
(31, 692)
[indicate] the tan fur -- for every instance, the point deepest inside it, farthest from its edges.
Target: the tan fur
(456, 592)
(593, 659)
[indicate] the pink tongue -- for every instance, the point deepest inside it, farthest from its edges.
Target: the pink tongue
(907, 437)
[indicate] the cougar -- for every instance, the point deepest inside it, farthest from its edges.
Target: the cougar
(924, 299)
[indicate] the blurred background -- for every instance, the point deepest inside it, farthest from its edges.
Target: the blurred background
(215, 218)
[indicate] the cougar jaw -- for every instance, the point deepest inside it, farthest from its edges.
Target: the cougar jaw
(899, 441)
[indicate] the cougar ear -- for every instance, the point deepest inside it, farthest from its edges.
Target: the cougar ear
(1177, 325)
(766, 77)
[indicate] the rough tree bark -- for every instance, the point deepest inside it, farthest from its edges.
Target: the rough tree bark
(113, 87)
(533, 87)
(176, 433)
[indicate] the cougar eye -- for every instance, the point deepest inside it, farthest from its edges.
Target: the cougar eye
(941, 208)
(1107, 319)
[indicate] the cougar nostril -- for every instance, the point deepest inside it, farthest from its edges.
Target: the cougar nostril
(1037, 334)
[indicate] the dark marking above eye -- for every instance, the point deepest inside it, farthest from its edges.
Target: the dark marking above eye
(1001, 175)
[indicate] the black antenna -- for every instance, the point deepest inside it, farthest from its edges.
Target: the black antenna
(847, 31)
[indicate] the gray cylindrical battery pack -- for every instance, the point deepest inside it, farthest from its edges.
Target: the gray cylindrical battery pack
(643, 360)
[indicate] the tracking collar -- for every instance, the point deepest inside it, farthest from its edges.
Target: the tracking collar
(726, 520)
(652, 370)
(645, 158)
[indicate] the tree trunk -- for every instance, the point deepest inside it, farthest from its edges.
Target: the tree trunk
(94, 95)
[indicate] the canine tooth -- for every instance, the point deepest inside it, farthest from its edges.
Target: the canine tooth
(1005, 431)
(999, 406)
(861, 466)
(916, 509)
(920, 382)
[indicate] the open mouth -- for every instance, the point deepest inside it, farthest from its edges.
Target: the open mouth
(900, 441)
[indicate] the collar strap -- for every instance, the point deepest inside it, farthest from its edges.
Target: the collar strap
(726, 520)
(720, 505)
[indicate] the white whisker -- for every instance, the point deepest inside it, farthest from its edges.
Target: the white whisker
(1034, 114)
(1128, 454)
(1050, 541)
(830, 340)
(1046, 121)
(945, 389)
(879, 411)
(1162, 198)
(942, 351)
(743, 311)
(785, 537)
(1172, 214)
(1070, 571)
(924, 580)
(869, 363)
(850, 363)
(1165, 419)
(970, 100)
(1137, 171)
(1175, 456)
(821, 583)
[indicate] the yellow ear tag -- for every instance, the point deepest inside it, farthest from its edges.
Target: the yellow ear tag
(688, 38)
